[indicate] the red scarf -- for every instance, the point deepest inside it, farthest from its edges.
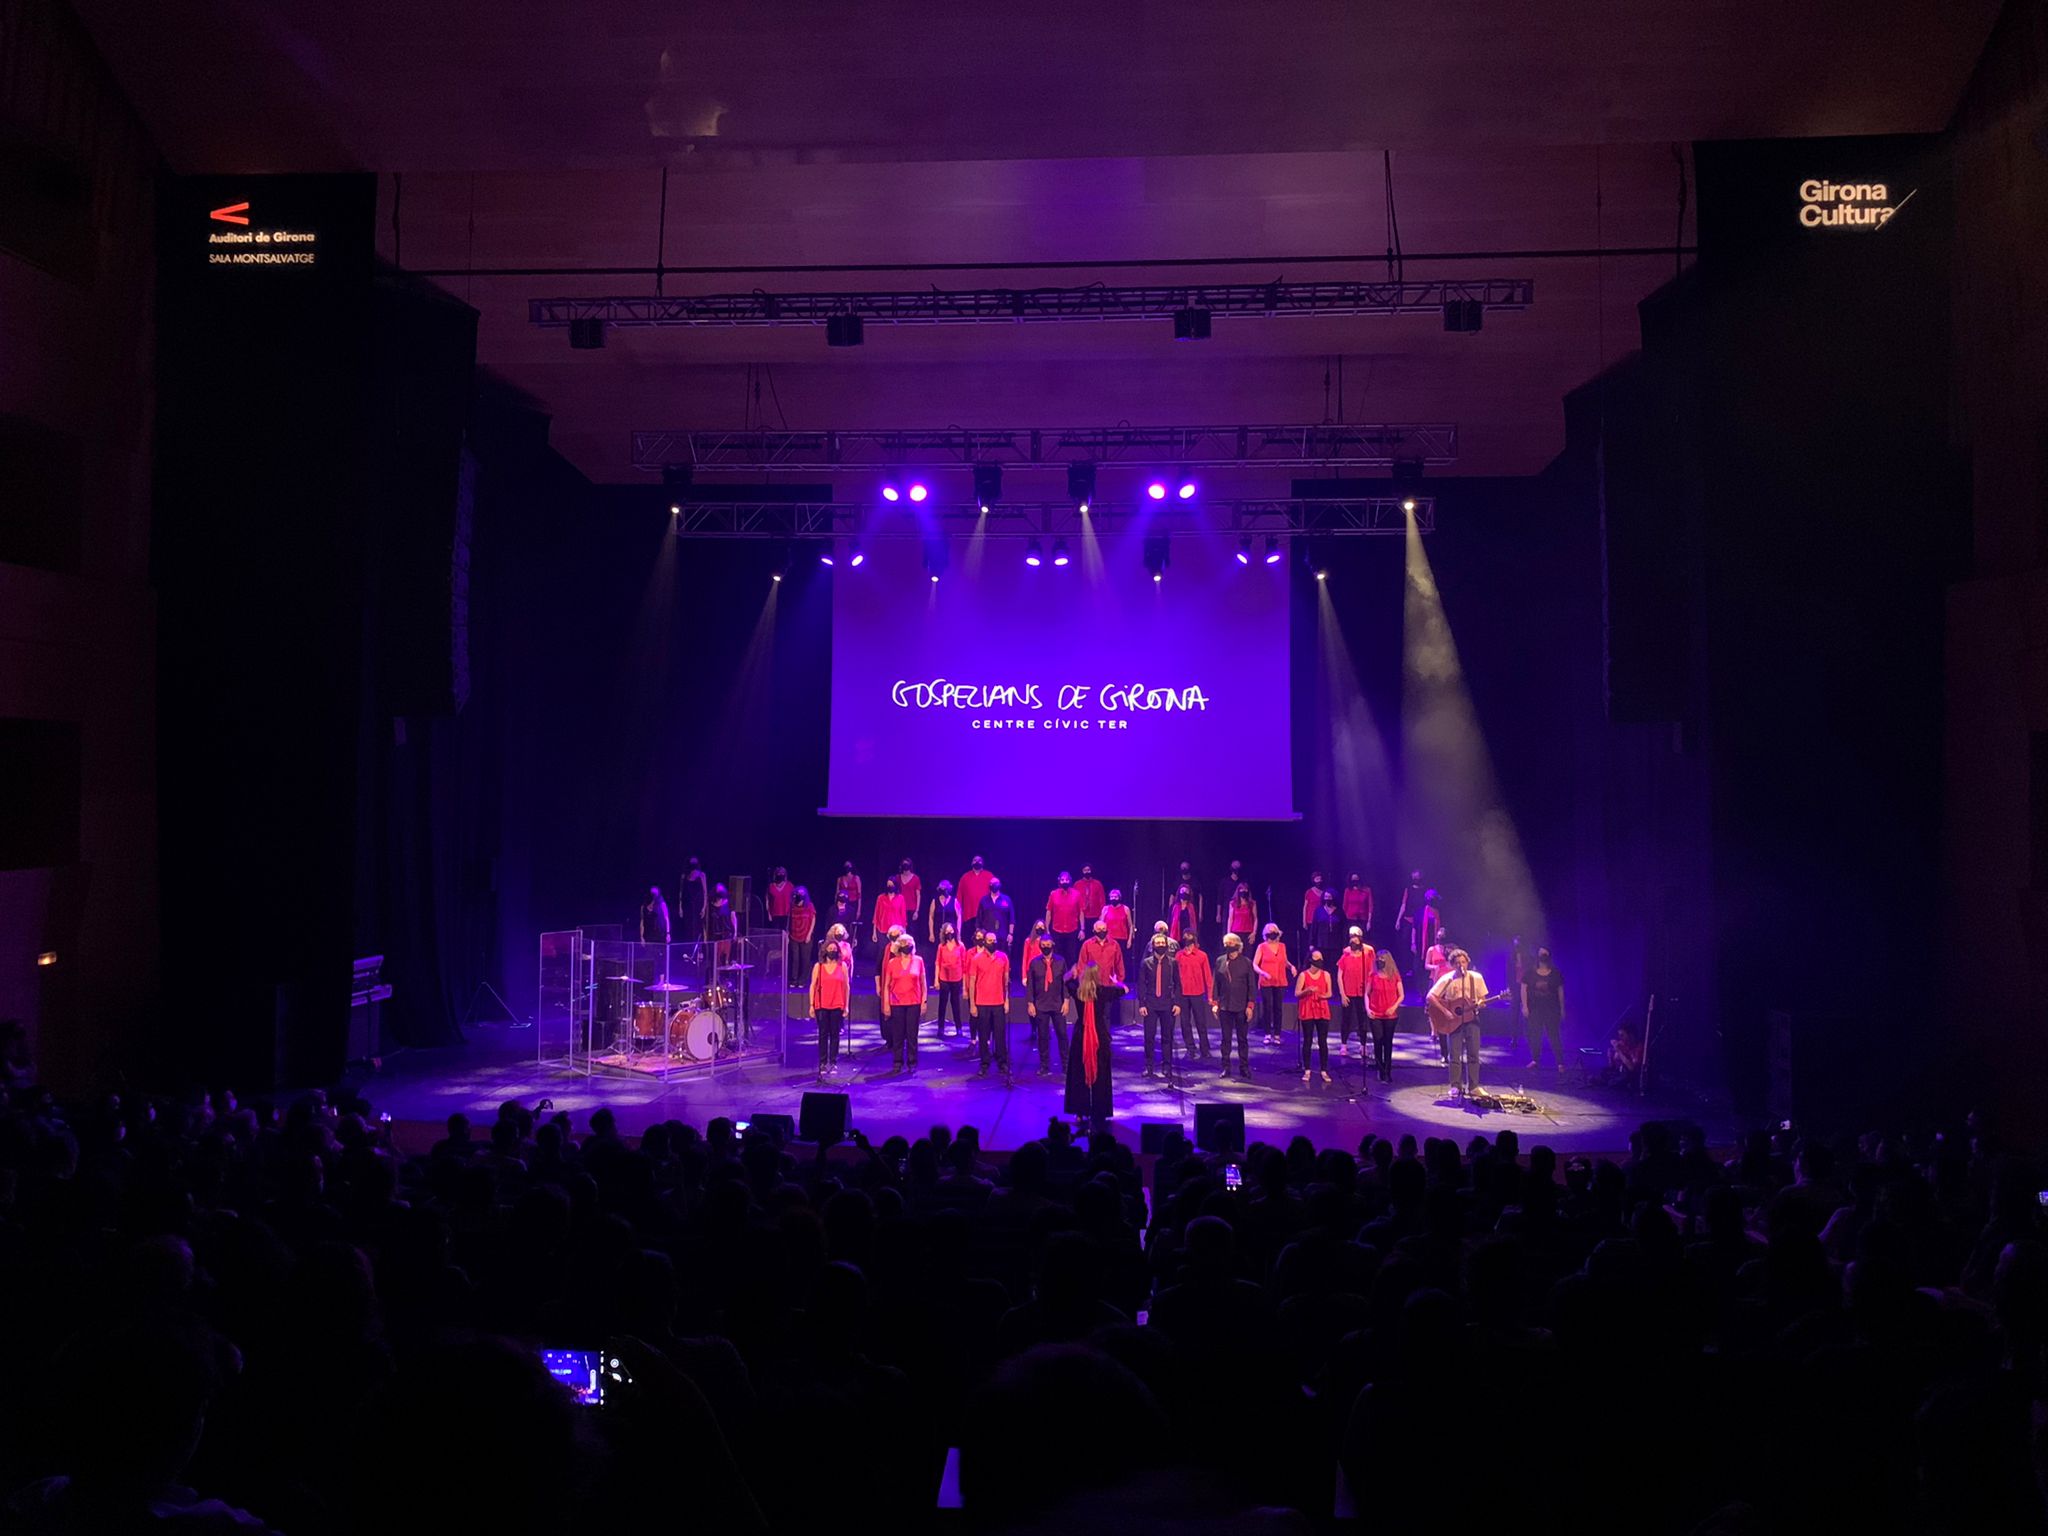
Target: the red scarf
(1088, 1042)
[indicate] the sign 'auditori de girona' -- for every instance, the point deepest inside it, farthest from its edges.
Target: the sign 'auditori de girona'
(1106, 706)
(1847, 204)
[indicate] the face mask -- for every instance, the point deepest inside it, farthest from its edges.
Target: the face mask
(1045, 946)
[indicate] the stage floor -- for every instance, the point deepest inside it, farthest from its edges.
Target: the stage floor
(498, 1063)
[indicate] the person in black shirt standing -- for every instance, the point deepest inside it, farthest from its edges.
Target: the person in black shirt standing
(1234, 983)
(1543, 1006)
(654, 928)
(693, 902)
(1158, 998)
(944, 912)
(1045, 993)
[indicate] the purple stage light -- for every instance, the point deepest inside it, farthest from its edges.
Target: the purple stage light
(1034, 554)
(1272, 549)
(917, 490)
(856, 557)
(1244, 551)
(890, 493)
(1156, 490)
(824, 557)
(1187, 490)
(1059, 553)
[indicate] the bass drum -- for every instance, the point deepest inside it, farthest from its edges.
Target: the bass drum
(703, 1036)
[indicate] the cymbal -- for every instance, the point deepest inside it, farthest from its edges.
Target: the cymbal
(665, 986)
(744, 965)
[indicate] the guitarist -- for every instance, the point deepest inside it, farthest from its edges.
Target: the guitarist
(1454, 1003)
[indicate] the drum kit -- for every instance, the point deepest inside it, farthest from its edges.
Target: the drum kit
(689, 1030)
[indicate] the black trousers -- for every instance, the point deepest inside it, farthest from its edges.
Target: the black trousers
(903, 1019)
(830, 1021)
(1320, 1030)
(1195, 1018)
(1354, 1019)
(1158, 1022)
(1045, 1034)
(1231, 1019)
(1269, 1009)
(1068, 947)
(1383, 1045)
(950, 1001)
(992, 1032)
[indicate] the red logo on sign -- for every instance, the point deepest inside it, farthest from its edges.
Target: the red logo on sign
(234, 213)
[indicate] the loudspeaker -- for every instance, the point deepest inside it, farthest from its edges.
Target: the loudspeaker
(1152, 1137)
(781, 1127)
(822, 1118)
(1219, 1127)
(1464, 315)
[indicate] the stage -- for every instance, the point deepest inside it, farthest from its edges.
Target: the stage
(498, 1063)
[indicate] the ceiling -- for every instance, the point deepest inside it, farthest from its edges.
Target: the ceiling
(533, 133)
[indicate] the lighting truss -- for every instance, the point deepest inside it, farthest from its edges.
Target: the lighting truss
(1053, 519)
(1340, 446)
(1011, 306)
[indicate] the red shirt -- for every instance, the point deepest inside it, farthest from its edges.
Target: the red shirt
(1106, 953)
(972, 887)
(848, 885)
(1063, 909)
(988, 978)
(1354, 968)
(1311, 904)
(1118, 918)
(1093, 897)
(829, 985)
(1244, 916)
(1383, 996)
(1314, 998)
(888, 911)
(1196, 979)
(1357, 903)
(803, 922)
(952, 960)
(911, 888)
(779, 894)
(905, 980)
(1271, 963)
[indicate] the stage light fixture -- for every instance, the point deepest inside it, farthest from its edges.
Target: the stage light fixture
(918, 492)
(825, 555)
(937, 555)
(1315, 554)
(1408, 504)
(1184, 484)
(988, 485)
(1191, 324)
(1060, 557)
(586, 335)
(1034, 554)
(1158, 555)
(891, 491)
(844, 331)
(1464, 315)
(1081, 485)
(1272, 549)
(854, 555)
(1156, 489)
(1244, 550)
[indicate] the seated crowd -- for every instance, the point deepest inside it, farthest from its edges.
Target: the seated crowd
(239, 1316)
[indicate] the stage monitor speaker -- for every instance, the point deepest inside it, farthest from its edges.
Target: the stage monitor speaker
(781, 1127)
(1219, 1127)
(822, 1118)
(1152, 1136)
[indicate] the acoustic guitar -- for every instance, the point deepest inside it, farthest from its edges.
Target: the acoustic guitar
(1447, 1018)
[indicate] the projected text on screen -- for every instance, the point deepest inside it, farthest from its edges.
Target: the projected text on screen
(1012, 691)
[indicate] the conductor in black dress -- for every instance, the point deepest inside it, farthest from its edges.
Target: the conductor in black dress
(1088, 1091)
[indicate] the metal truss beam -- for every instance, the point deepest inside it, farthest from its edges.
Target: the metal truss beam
(1217, 519)
(1334, 446)
(1012, 306)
